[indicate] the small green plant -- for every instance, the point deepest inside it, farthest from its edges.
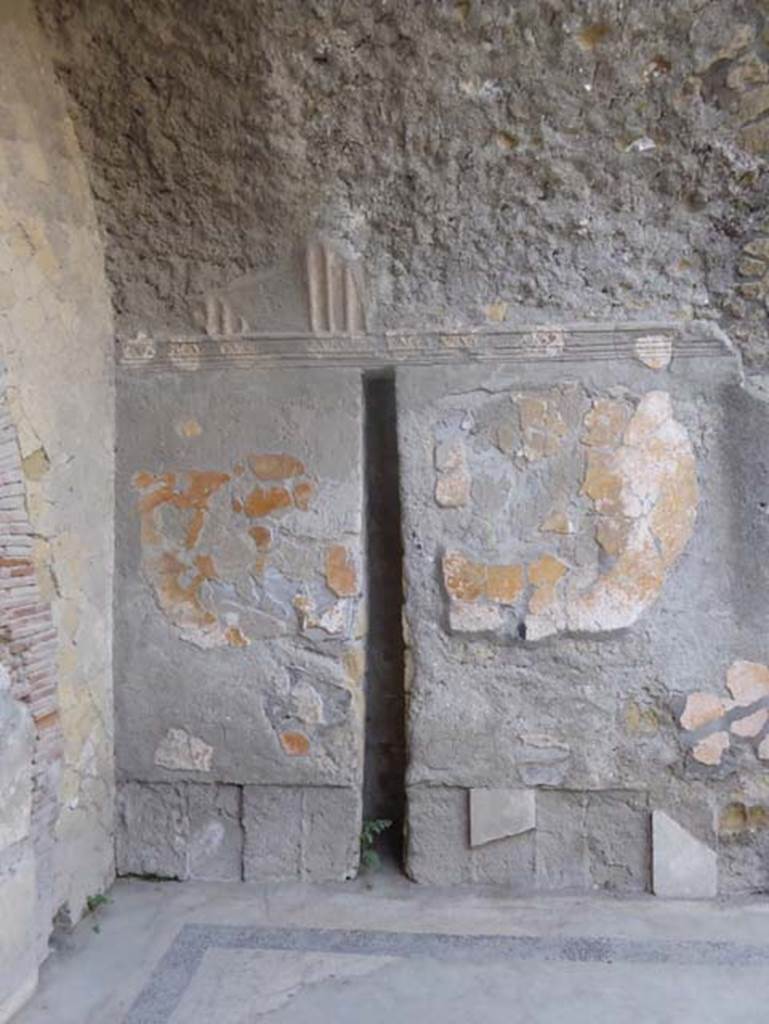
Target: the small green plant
(372, 828)
(94, 902)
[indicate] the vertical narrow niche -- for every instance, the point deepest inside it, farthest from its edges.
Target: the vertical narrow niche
(385, 757)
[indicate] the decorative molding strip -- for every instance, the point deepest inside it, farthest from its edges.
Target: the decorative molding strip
(653, 344)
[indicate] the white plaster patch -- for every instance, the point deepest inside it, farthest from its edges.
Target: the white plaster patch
(499, 813)
(548, 343)
(452, 487)
(636, 506)
(748, 683)
(465, 617)
(650, 480)
(140, 349)
(683, 867)
(654, 351)
(711, 749)
(179, 751)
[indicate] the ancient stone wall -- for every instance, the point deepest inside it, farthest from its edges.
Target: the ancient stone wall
(583, 651)
(240, 629)
(550, 217)
(56, 457)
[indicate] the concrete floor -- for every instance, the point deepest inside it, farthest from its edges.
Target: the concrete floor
(385, 950)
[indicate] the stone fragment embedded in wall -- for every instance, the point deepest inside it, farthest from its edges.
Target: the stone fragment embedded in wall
(621, 477)
(497, 813)
(178, 751)
(543, 425)
(468, 581)
(452, 486)
(683, 866)
(711, 719)
(438, 844)
(341, 575)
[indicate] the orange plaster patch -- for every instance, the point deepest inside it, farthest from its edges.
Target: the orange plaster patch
(465, 580)
(163, 490)
(181, 601)
(504, 583)
(340, 571)
(275, 467)
(302, 495)
(544, 575)
(295, 744)
(261, 502)
(700, 709)
(235, 638)
(261, 536)
(470, 581)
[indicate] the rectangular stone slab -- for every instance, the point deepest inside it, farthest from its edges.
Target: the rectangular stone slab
(241, 576)
(684, 867)
(240, 627)
(565, 528)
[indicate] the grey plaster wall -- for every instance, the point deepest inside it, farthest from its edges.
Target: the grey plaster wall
(641, 702)
(489, 161)
(586, 610)
(240, 624)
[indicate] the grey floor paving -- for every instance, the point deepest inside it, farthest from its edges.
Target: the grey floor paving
(391, 951)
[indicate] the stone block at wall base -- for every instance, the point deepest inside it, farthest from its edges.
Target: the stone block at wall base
(590, 841)
(181, 831)
(438, 850)
(218, 832)
(310, 833)
(581, 841)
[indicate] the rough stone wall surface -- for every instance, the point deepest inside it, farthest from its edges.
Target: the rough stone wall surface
(578, 544)
(240, 639)
(18, 883)
(490, 161)
(55, 340)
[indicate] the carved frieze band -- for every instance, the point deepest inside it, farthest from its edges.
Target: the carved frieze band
(652, 344)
